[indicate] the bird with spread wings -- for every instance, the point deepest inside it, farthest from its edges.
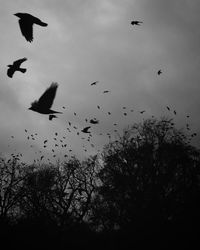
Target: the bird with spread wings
(43, 105)
(16, 67)
(26, 22)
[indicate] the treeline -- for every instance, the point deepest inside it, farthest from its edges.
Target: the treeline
(143, 190)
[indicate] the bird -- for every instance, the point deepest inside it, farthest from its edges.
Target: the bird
(168, 108)
(94, 83)
(159, 72)
(51, 117)
(141, 112)
(85, 130)
(26, 22)
(136, 22)
(16, 67)
(94, 121)
(106, 91)
(45, 102)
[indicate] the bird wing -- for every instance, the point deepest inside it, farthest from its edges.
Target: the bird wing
(10, 72)
(19, 62)
(26, 27)
(46, 100)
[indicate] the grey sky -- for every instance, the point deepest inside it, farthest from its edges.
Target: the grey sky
(92, 40)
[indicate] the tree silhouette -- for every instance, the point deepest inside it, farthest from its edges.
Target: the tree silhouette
(11, 179)
(149, 178)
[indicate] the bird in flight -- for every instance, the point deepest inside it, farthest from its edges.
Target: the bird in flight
(141, 112)
(94, 121)
(26, 22)
(51, 117)
(106, 91)
(94, 83)
(16, 67)
(43, 105)
(159, 72)
(168, 108)
(85, 130)
(136, 22)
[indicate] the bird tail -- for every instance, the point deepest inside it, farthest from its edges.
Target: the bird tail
(22, 70)
(43, 24)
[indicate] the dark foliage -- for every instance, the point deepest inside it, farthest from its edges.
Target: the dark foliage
(142, 191)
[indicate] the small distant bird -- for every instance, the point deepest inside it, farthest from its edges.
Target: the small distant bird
(63, 107)
(45, 102)
(141, 112)
(98, 106)
(85, 130)
(26, 22)
(136, 22)
(94, 121)
(109, 113)
(175, 112)
(125, 114)
(168, 108)
(159, 72)
(52, 116)
(106, 91)
(16, 67)
(94, 83)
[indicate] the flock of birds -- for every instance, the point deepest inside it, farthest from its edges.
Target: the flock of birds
(44, 104)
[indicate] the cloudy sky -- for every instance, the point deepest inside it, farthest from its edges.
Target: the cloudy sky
(93, 40)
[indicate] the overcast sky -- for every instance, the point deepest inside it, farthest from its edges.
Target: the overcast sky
(93, 40)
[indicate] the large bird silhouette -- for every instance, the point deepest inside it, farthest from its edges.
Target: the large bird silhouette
(26, 22)
(16, 67)
(45, 102)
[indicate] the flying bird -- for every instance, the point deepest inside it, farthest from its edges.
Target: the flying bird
(106, 91)
(16, 67)
(43, 105)
(168, 108)
(26, 22)
(94, 83)
(136, 22)
(94, 121)
(159, 72)
(85, 130)
(51, 117)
